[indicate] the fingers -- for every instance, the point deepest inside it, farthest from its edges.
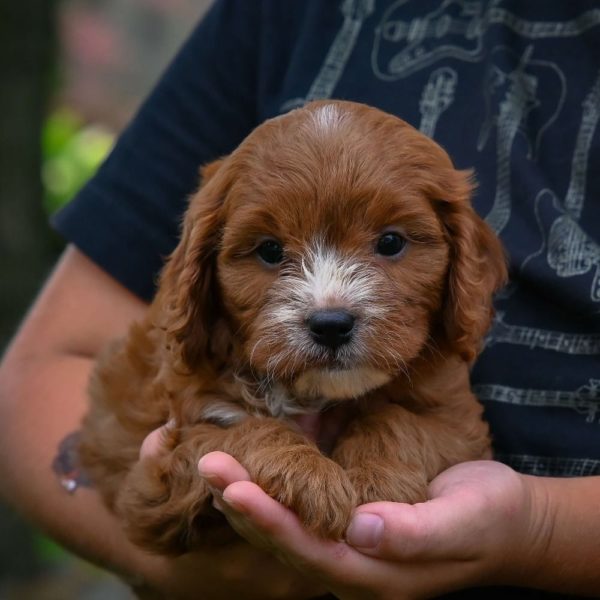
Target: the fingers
(154, 441)
(266, 514)
(344, 571)
(250, 510)
(260, 517)
(221, 469)
(406, 562)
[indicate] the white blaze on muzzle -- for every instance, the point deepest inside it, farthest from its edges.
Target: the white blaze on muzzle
(326, 279)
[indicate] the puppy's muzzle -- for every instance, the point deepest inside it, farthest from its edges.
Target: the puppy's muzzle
(331, 328)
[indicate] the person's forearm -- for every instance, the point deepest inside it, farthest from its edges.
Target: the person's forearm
(564, 550)
(42, 399)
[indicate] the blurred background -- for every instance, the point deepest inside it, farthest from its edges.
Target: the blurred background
(72, 73)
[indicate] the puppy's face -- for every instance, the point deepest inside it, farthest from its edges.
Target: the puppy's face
(332, 251)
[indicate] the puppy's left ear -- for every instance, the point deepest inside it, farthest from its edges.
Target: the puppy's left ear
(188, 297)
(477, 265)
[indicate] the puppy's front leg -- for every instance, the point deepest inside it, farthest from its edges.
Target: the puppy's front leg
(166, 505)
(393, 454)
(292, 470)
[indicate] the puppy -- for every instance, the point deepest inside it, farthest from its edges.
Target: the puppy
(332, 259)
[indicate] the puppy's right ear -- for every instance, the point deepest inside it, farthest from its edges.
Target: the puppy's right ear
(188, 297)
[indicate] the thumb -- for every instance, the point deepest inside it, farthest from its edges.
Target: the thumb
(445, 527)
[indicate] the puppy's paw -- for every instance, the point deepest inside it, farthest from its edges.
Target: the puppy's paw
(167, 508)
(374, 482)
(314, 487)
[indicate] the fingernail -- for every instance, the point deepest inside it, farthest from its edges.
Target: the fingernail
(233, 504)
(200, 466)
(365, 530)
(211, 478)
(220, 503)
(217, 501)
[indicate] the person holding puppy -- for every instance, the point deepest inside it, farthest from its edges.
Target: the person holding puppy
(507, 89)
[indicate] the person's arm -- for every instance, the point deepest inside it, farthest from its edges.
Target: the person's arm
(568, 557)
(43, 380)
(484, 525)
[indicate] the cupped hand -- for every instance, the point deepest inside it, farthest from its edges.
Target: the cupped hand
(479, 527)
(234, 570)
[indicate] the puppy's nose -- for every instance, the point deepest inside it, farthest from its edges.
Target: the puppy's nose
(331, 328)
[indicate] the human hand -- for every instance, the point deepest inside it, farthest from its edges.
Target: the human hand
(235, 570)
(479, 527)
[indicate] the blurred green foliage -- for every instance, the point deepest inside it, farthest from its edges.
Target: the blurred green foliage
(72, 151)
(48, 551)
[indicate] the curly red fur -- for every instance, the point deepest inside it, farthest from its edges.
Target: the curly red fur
(224, 351)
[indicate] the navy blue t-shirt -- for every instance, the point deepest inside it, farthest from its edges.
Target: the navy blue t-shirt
(509, 88)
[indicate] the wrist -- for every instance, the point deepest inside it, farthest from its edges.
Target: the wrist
(566, 547)
(528, 552)
(521, 520)
(551, 541)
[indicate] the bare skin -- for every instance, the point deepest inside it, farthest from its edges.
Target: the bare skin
(43, 380)
(484, 524)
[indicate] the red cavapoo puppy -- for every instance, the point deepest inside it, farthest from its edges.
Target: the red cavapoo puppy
(333, 258)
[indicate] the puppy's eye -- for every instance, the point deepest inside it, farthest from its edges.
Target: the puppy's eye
(270, 252)
(390, 244)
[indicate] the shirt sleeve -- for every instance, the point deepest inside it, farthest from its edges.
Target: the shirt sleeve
(127, 217)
